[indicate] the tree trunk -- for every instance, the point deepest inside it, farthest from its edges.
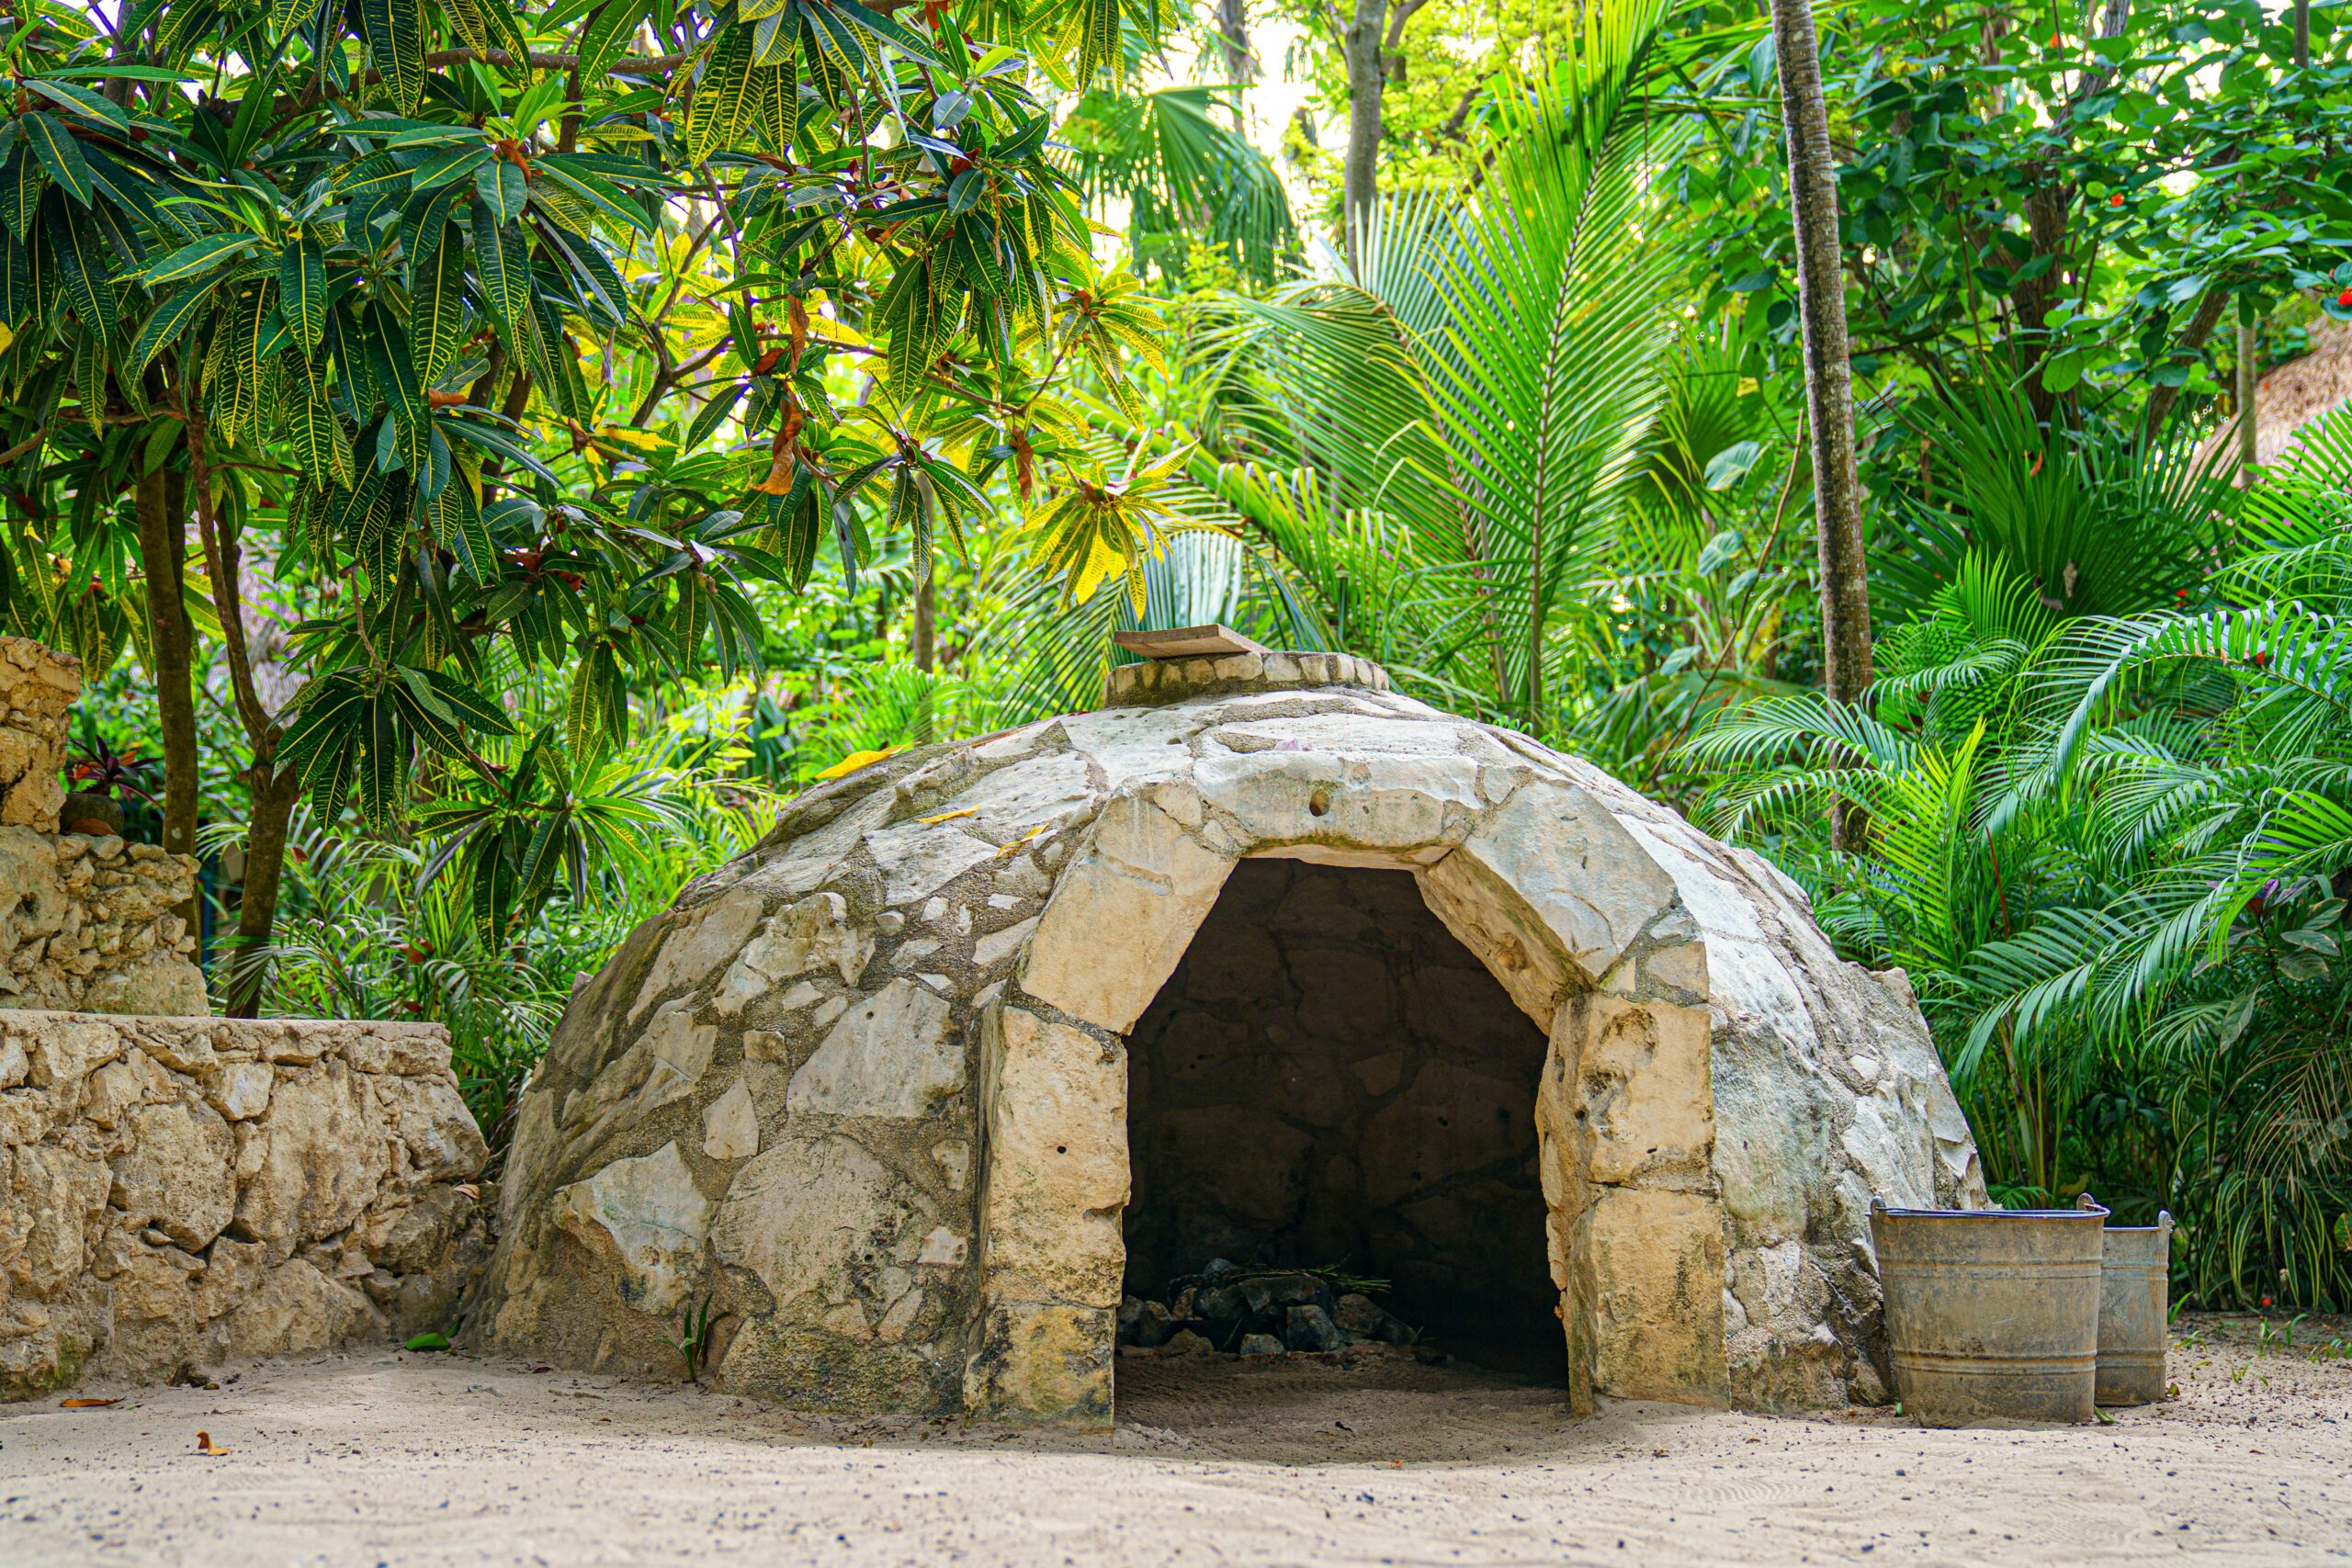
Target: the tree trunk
(1233, 42)
(2201, 327)
(274, 794)
(163, 548)
(925, 633)
(1828, 379)
(2248, 397)
(1365, 80)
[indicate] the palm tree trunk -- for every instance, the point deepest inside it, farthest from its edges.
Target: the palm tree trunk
(1366, 78)
(1828, 379)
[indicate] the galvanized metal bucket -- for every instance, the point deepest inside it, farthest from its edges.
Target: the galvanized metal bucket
(1992, 1314)
(2135, 1275)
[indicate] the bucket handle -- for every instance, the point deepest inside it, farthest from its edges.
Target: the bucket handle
(2088, 1204)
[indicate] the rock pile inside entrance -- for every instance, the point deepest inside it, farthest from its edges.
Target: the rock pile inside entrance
(1257, 1312)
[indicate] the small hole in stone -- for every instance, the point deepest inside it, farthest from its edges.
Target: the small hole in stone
(1318, 803)
(1061, 1148)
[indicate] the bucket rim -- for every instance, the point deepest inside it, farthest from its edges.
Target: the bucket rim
(2092, 1215)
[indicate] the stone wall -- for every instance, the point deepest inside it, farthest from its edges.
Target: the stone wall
(37, 691)
(85, 923)
(178, 1192)
(1331, 1078)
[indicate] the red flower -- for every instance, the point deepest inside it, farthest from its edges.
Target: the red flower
(2116, 201)
(2344, 299)
(2266, 1300)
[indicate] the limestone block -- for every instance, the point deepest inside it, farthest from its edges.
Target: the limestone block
(804, 1216)
(67, 1050)
(813, 933)
(1122, 916)
(731, 1125)
(1554, 850)
(679, 1051)
(1042, 1362)
(918, 858)
(1651, 1267)
(1049, 789)
(649, 1217)
(996, 946)
(1059, 1169)
(325, 1151)
(1135, 747)
(1379, 801)
(702, 940)
(1643, 1082)
(433, 1123)
(253, 1307)
(890, 1054)
(238, 1090)
(175, 1176)
(56, 1201)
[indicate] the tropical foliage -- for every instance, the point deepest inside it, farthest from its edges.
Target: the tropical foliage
(492, 453)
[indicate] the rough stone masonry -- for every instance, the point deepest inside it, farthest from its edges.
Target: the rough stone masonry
(863, 1092)
(178, 1193)
(85, 922)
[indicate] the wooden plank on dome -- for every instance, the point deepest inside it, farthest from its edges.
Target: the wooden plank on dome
(1187, 642)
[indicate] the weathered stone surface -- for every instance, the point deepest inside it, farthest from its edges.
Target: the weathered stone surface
(1651, 1266)
(889, 1056)
(1058, 1130)
(85, 923)
(200, 1190)
(177, 1175)
(325, 1152)
(700, 942)
(1121, 916)
(891, 1047)
(648, 1213)
(802, 1216)
(812, 933)
(731, 1125)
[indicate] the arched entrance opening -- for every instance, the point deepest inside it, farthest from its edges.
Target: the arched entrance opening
(1331, 1083)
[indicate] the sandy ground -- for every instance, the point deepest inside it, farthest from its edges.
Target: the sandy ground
(396, 1459)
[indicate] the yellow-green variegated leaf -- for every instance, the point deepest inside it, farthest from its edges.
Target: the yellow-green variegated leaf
(501, 260)
(776, 102)
(395, 34)
(302, 290)
(608, 35)
(722, 99)
(437, 306)
(319, 446)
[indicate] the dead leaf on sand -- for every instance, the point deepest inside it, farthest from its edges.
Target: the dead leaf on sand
(87, 1404)
(205, 1445)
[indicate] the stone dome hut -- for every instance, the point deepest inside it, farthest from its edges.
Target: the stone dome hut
(1261, 960)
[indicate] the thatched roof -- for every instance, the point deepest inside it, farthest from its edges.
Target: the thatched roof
(2292, 395)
